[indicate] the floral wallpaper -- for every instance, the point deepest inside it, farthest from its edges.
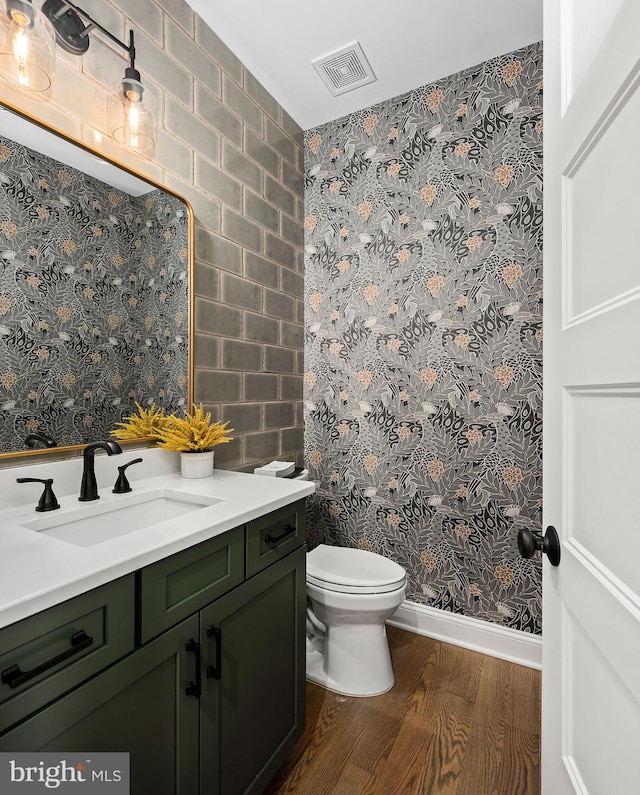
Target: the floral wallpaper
(94, 306)
(423, 221)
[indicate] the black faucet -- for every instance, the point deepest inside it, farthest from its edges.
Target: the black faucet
(33, 438)
(89, 487)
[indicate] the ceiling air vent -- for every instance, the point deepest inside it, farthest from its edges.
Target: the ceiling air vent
(345, 69)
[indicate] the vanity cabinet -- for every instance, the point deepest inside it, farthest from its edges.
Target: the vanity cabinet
(211, 697)
(49, 653)
(140, 706)
(252, 704)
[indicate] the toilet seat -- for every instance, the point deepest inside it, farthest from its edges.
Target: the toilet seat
(348, 570)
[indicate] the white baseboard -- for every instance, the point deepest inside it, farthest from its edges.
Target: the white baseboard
(513, 645)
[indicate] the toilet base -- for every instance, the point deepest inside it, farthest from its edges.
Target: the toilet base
(347, 639)
(317, 675)
(352, 659)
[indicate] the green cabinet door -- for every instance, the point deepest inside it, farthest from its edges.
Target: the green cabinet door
(139, 705)
(252, 705)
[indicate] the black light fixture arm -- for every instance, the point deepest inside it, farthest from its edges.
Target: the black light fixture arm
(132, 51)
(74, 37)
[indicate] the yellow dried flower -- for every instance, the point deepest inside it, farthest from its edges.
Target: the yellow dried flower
(146, 423)
(192, 433)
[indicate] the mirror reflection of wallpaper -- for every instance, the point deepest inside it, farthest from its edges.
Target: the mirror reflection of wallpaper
(94, 305)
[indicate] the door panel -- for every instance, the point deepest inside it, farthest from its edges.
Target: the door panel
(591, 602)
(585, 25)
(614, 720)
(599, 422)
(592, 192)
(600, 604)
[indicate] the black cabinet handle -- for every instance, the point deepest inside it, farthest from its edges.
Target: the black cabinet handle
(194, 688)
(215, 671)
(14, 677)
(288, 530)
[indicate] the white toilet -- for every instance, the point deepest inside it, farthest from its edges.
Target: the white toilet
(351, 593)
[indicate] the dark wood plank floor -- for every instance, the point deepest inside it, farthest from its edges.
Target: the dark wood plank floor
(455, 723)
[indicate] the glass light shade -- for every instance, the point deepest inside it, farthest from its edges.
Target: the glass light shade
(27, 47)
(132, 115)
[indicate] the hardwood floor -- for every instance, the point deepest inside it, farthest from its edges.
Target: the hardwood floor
(455, 723)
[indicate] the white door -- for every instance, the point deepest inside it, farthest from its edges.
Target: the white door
(591, 615)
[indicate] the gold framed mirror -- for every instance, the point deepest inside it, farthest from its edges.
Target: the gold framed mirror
(96, 290)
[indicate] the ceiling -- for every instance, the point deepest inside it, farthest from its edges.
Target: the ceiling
(408, 43)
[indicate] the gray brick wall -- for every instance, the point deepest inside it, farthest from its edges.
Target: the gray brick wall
(228, 147)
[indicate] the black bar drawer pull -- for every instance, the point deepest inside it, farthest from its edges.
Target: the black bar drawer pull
(14, 677)
(215, 671)
(288, 530)
(194, 688)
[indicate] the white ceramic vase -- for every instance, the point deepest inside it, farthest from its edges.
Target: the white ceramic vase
(196, 465)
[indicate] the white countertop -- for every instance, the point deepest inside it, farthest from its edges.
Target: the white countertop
(37, 572)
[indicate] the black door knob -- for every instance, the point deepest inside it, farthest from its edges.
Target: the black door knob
(529, 543)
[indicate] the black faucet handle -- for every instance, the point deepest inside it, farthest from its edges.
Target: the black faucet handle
(47, 501)
(122, 484)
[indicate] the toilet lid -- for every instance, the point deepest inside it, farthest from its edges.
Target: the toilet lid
(352, 570)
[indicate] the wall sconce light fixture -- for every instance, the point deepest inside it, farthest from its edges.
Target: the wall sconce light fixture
(27, 47)
(27, 60)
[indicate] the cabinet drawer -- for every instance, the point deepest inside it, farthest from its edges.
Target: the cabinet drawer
(273, 536)
(180, 585)
(53, 651)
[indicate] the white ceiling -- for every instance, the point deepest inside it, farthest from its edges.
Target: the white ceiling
(408, 43)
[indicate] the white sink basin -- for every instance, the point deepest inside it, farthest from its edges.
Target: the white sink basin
(103, 521)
